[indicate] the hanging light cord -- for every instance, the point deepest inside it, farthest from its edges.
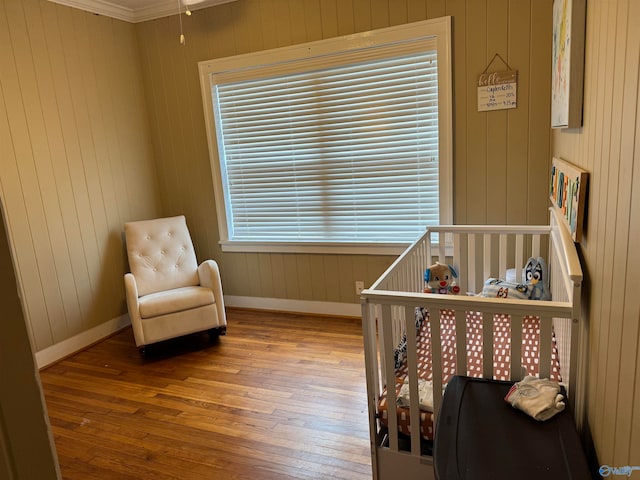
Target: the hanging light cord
(180, 17)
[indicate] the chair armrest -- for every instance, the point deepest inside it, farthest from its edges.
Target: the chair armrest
(209, 274)
(131, 293)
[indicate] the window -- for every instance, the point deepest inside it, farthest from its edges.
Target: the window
(342, 145)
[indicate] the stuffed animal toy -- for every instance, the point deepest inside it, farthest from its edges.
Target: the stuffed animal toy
(439, 278)
(534, 286)
(536, 275)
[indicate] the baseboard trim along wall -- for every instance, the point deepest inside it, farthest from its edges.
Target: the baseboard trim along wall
(298, 306)
(67, 347)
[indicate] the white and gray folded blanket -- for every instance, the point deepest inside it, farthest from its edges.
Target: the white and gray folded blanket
(538, 397)
(425, 394)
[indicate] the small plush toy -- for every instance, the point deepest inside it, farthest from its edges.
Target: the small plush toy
(439, 278)
(536, 275)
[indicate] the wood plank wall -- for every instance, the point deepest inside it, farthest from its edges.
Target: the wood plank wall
(77, 158)
(75, 161)
(501, 157)
(79, 149)
(607, 146)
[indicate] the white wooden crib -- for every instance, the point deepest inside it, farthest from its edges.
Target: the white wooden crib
(477, 252)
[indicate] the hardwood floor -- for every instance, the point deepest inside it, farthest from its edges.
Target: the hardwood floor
(281, 396)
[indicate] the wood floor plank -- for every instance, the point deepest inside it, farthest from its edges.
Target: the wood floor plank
(281, 396)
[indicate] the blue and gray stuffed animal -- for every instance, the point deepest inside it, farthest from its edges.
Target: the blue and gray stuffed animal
(536, 274)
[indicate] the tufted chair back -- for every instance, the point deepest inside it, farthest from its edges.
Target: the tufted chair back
(161, 254)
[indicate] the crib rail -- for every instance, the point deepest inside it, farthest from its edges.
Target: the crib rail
(477, 252)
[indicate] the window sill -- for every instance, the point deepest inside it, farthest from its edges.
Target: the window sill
(315, 247)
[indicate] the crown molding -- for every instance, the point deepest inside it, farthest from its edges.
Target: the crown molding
(100, 7)
(161, 8)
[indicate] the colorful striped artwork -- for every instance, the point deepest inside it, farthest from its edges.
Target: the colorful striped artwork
(567, 193)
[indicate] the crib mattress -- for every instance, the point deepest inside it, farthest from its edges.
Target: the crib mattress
(501, 363)
(524, 448)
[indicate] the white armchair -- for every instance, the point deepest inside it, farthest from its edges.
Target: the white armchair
(168, 294)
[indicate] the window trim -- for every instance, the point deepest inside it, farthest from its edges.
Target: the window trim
(438, 29)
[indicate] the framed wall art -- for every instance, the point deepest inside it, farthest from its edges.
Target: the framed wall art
(568, 63)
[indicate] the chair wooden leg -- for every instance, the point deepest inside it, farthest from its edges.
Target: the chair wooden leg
(143, 350)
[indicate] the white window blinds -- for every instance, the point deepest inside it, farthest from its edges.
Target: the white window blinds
(342, 145)
(338, 154)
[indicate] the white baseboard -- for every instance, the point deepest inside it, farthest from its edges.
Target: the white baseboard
(298, 306)
(76, 343)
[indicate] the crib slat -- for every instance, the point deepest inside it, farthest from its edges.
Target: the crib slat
(461, 342)
(397, 315)
(372, 366)
(377, 312)
(442, 244)
(457, 259)
(519, 260)
(389, 368)
(535, 245)
(487, 256)
(412, 368)
(573, 363)
(471, 261)
(428, 252)
(416, 272)
(516, 348)
(370, 319)
(487, 345)
(404, 274)
(409, 273)
(503, 256)
(369, 322)
(545, 347)
(383, 353)
(436, 360)
(422, 264)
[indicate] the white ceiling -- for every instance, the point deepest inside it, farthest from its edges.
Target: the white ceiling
(138, 10)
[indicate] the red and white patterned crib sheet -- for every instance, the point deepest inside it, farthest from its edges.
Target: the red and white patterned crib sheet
(501, 360)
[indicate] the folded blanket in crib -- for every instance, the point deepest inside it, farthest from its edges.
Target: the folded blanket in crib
(538, 397)
(425, 394)
(497, 288)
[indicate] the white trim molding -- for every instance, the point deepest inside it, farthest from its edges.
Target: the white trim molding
(78, 342)
(57, 352)
(295, 306)
(157, 9)
(416, 43)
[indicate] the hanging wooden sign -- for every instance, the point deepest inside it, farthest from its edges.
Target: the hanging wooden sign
(497, 90)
